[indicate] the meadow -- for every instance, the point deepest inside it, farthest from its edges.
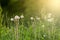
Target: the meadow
(29, 19)
(36, 30)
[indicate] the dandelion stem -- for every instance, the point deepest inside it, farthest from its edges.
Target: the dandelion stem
(16, 30)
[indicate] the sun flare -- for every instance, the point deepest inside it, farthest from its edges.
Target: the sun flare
(54, 3)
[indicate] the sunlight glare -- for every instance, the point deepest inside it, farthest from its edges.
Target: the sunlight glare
(54, 3)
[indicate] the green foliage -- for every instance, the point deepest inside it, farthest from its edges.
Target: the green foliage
(0, 16)
(28, 29)
(38, 31)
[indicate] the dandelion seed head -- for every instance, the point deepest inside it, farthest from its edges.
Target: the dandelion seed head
(50, 20)
(37, 18)
(16, 17)
(32, 18)
(22, 16)
(12, 19)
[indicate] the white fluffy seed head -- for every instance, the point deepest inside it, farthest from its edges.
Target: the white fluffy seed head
(16, 17)
(22, 16)
(12, 19)
(37, 18)
(50, 20)
(32, 18)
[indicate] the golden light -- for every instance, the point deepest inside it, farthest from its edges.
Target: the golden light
(54, 3)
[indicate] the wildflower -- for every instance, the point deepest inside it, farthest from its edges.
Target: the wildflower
(37, 18)
(50, 19)
(22, 16)
(12, 19)
(32, 18)
(16, 17)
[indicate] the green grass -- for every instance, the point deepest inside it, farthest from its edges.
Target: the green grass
(36, 31)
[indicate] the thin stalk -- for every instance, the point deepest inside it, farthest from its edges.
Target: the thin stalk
(16, 30)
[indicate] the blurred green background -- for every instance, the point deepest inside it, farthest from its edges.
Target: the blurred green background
(45, 23)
